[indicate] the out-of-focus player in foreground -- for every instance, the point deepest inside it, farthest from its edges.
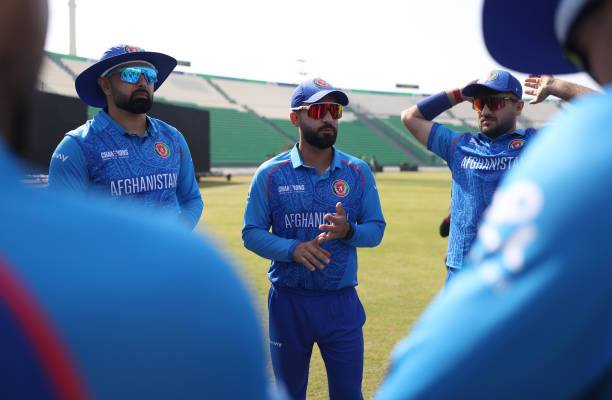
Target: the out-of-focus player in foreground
(531, 319)
(96, 303)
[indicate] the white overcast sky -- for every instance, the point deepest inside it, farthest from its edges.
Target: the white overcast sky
(356, 44)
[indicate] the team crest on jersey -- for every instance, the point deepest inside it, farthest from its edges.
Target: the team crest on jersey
(341, 188)
(320, 83)
(162, 149)
(516, 144)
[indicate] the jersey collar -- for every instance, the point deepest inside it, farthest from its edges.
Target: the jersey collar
(520, 132)
(118, 129)
(296, 158)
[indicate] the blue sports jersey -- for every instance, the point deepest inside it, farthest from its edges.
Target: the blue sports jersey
(477, 164)
(156, 170)
(292, 199)
(531, 317)
(96, 302)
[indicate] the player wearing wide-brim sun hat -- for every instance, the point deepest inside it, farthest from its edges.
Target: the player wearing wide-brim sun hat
(86, 83)
(121, 151)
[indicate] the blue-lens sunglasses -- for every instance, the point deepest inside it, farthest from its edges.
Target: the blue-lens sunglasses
(132, 74)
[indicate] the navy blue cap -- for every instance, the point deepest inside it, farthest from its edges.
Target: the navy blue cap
(497, 81)
(313, 90)
(86, 83)
(529, 36)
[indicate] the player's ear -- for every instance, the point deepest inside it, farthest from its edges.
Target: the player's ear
(295, 118)
(104, 84)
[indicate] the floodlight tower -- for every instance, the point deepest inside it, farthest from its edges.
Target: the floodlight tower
(72, 10)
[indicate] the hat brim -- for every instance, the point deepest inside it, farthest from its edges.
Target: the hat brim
(86, 83)
(472, 90)
(340, 96)
(521, 36)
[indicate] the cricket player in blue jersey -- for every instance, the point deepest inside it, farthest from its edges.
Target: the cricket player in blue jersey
(478, 161)
(321, 204)
(95, 302)
(122, 152)
(530, 319)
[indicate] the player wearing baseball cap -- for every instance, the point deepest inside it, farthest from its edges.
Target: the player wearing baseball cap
(529, 318)
(122, 152)
(321, 204)
(477, 161)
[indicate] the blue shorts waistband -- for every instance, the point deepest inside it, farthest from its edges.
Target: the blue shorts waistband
(312, 292)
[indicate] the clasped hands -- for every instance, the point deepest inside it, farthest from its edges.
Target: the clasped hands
(310, 254)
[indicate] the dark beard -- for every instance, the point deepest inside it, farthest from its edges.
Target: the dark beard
(500, 129)
(138, 105)
(320, 141)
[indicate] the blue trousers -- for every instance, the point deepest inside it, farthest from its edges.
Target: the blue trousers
(332, 319)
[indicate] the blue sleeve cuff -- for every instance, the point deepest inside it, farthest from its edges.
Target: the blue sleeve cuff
(292, 249)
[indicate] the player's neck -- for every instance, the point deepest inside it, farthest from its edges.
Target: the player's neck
(132, 123)
(497, 135)
(315, 157)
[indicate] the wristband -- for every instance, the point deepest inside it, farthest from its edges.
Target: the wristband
(458, 96)
(434, 105)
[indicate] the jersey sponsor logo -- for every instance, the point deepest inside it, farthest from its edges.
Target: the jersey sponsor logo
(304, 220)
(113, 154)
(140, 184)
(341, 188)
(516, 144)
(276, 344)
(284, 189)
(162, 149)
(488, 164)
(60, 156)
(320, 83)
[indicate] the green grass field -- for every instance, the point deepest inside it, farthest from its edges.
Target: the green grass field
(396, 279)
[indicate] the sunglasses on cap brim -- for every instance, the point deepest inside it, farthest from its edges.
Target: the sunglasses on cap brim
(132, 74)
(319, 110)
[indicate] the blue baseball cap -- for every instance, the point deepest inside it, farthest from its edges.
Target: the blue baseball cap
(313, 90)
(86, 83)
(529, 36)
(497, 81)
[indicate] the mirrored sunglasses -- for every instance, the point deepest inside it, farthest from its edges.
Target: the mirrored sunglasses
(132, 74)
(319, 110)
(493, 103)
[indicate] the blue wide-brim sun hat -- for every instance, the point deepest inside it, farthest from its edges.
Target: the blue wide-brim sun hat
(523, 35)
(86, 83)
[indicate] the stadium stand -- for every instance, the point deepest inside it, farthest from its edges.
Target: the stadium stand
(249, 119)
(54, 78)
(187, 88)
